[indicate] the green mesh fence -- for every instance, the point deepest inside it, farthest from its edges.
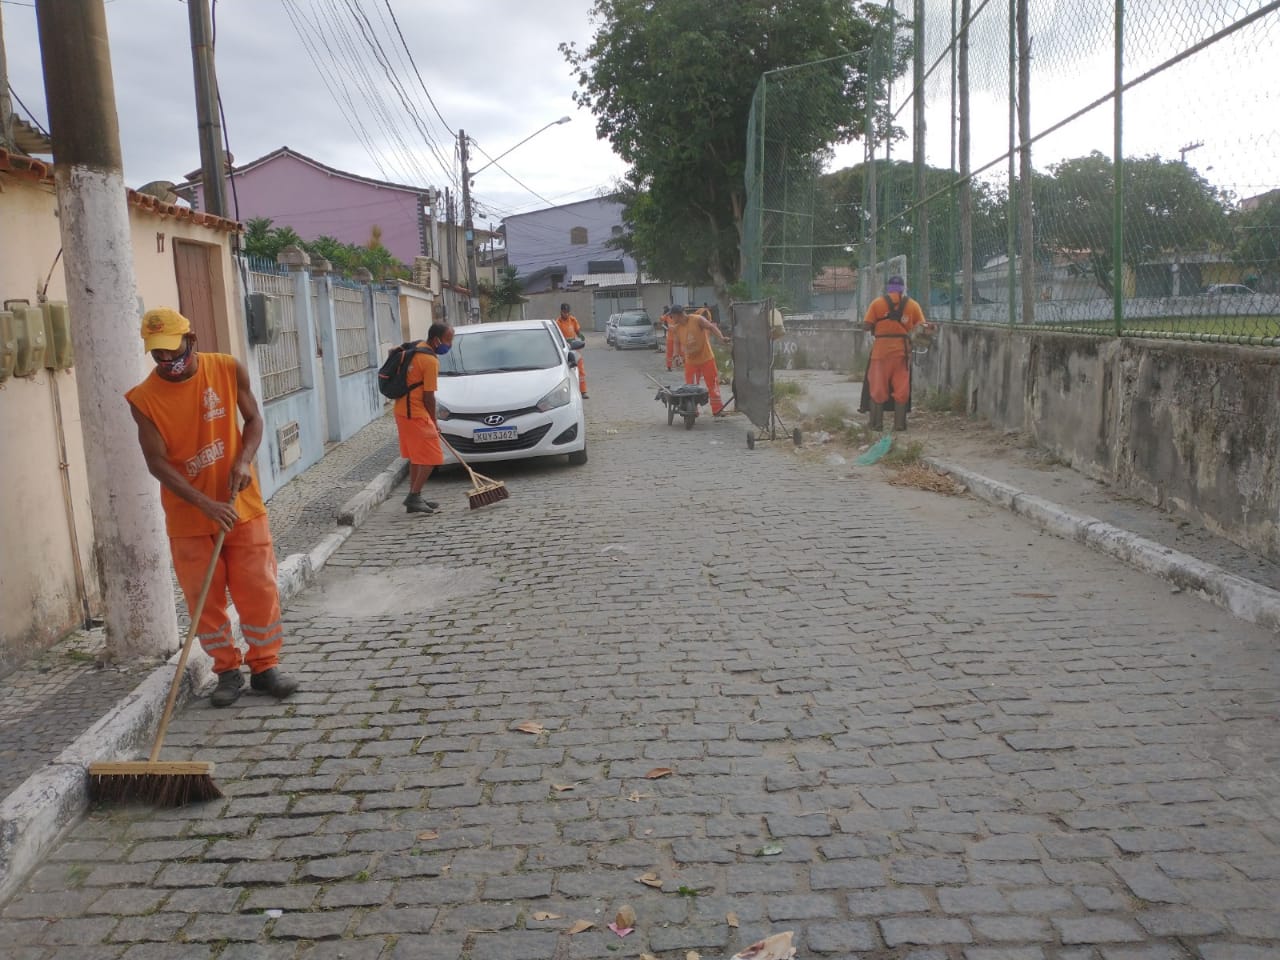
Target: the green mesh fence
(985, 169)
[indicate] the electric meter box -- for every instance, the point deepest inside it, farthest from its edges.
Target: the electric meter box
(264, 318)
(28, 333)
(8, 345)
(58, 352)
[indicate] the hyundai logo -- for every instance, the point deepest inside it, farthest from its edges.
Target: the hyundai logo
(494, 419)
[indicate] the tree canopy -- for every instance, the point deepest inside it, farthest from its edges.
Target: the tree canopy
(1258, 250)
(671, 83)
(263, 239)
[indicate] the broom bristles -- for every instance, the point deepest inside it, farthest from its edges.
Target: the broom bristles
(486, 493)
(158, 784)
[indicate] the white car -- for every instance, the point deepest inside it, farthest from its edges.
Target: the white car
(509, 391)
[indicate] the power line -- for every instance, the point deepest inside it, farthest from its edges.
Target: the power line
(495, 163)
(27, 111)
(400, 33)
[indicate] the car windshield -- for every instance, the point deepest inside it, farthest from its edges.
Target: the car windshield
(635, 320)
(500, 351)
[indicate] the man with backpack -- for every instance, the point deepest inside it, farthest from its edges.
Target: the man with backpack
(887, 384)
(409, 377)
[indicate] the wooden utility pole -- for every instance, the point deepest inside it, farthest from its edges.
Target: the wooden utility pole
(97, 254)
(213, 167)
(469, 230)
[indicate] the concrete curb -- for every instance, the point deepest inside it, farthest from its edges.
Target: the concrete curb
(1239, 596)
(34, 817)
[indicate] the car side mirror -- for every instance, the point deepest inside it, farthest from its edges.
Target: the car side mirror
(577, 343)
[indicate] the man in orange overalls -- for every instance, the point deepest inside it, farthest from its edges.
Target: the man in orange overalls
(570, 328)
(415, 414)
(186, 414)
(675, 349)
(887, 384)
(694, 331)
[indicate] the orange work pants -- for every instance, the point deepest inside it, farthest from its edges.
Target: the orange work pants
(582, 373)
(246, 569)
(675, 349)
(889, 377)
(708, 373)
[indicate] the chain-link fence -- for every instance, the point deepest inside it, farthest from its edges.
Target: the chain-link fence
(1094, 166)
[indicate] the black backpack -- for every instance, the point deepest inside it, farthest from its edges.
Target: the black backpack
(393, 375)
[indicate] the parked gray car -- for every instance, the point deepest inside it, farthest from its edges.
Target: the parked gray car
(634, 329)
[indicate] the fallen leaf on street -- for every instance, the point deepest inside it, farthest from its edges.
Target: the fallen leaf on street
(579, 926)
(562, 787)
(544, 915)
(626, 918)
(777, 947)
(636, 796)
(657, 773)
(531, 726)
(731, 919)
(693, 955)
(769, 850)
(650, 880)
(429, 835)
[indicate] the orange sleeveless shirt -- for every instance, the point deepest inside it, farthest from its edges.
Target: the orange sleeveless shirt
(199, 422)
(697, 341)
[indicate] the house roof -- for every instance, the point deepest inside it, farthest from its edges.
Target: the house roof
(196, 176)
(606, 280)
(563, 206)
(30, 140)
(832, 279)
(27, 168)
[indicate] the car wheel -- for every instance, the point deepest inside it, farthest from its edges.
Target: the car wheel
(578, 457)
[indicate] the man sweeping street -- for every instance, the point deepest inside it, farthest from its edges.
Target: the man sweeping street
(887, 383)
(186, 412)
(416, 416)
(570, 329)
(694, 331)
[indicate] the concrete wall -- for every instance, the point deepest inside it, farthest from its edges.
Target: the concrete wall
(40, 599)
(1191, 427)
(416, 306)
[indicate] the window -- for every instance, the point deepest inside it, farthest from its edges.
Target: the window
(578, 235)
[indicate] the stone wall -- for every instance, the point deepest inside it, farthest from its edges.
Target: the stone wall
(1191, 427)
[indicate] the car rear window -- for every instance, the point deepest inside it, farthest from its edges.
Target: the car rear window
(499, 351)
(635, 320)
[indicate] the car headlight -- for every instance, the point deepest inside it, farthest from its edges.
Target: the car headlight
(558, 397)
(442, 412)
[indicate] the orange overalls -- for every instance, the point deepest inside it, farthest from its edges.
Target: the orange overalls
(197, 419)
(889, 373)
(570, 328)
(699, 360)
(675, 349)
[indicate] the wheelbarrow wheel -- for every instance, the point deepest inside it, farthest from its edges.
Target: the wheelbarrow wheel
(688, 420)
(671, 414)
(751, 439)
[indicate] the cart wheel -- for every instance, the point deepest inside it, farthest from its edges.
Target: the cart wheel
(795, 436)
(751, 439)
(671, 414)
(688, 420)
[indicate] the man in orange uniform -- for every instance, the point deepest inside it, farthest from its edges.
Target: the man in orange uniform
(186, 415)
(416, 416)
(695, 332)
(675, 349)
(887, 384)
(570, 328)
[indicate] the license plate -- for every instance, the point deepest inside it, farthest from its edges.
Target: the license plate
(491, 434)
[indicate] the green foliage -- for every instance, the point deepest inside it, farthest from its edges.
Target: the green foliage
(903, 455)
(671, 86)
(262, 239)
(944, 401)
(1168, 208)
(1258, 247)
(499, 299)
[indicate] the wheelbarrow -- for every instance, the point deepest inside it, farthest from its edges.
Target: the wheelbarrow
(682, 401)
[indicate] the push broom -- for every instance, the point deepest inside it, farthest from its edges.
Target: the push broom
(165, 783)
(484, 490)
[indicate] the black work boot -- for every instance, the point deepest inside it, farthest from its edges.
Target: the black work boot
(230, 686)
(900, 417)
(877, 416)
(274, 682)
(414, 503)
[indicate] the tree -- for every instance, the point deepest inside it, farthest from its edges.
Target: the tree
(1258, 248)
(1168, 208)
(498, 299)
(671, 84)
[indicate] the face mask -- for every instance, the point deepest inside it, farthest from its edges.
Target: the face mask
(442, 349)
(175, 368)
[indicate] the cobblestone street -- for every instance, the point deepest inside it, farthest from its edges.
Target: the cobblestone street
(898, 724)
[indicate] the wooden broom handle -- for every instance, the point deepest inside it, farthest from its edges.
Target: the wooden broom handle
(186, 647)
(475, 477)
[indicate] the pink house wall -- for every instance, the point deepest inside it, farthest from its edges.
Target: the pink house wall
(316, 203)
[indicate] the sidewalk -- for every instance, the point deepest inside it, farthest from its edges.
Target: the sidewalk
(53, 698)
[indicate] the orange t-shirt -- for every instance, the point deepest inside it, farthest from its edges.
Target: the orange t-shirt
(880, 323)
(569, 326)
(424, 369)
(697, 341)
(198, 421)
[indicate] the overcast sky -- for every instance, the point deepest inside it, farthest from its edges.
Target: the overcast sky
(302, 73)
(492, 68)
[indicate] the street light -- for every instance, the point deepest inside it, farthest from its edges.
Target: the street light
(467, 220)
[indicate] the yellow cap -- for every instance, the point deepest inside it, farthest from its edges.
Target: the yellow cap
(163, 329)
